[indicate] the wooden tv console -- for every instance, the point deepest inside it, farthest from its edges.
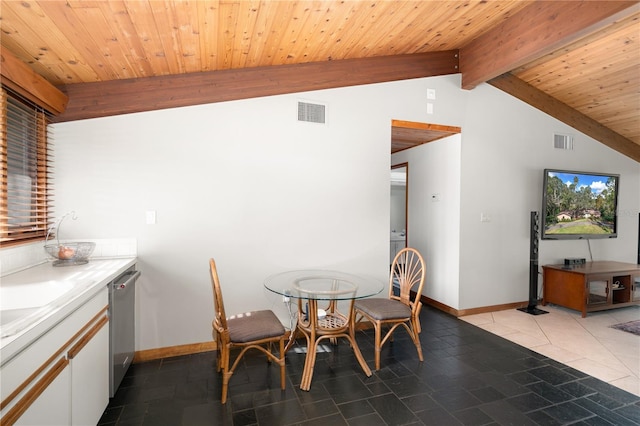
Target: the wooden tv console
(593, 286)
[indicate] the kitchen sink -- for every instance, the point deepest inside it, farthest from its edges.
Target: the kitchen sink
(32, 295)
(10, 315)
(21, 305)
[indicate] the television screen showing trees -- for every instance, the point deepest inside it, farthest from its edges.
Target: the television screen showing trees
(579, 205)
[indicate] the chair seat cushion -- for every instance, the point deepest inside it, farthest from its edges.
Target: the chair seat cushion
(383, 309)
(254, 325)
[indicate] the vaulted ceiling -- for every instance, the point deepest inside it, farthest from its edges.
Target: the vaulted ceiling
(578, 61)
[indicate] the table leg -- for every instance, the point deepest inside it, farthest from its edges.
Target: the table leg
(354, 344)
(311, 334)
(312, 344)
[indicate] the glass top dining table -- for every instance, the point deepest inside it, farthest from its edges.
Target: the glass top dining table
(317, 324)
(323, 285)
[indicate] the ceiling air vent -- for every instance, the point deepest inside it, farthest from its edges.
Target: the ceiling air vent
(562, 141)
(311, 113)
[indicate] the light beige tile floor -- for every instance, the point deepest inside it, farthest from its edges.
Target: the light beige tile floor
(587, 344)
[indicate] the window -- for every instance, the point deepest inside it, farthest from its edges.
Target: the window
(26, 190)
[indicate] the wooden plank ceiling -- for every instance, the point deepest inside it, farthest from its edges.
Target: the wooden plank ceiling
(578, 61)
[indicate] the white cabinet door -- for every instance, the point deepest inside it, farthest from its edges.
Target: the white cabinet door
(90, 379)
(71, 362)
(52, 407)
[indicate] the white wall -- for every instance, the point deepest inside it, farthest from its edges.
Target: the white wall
(496, 169)
(245, 183)
(398, 209)
(434, 213)
(242, 182)
(506, 145)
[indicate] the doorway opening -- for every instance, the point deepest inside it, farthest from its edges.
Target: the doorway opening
(399, 202)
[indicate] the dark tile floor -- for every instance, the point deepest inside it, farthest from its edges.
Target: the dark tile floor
(468, 377)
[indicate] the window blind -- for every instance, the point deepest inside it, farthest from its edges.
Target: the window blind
(26, 166)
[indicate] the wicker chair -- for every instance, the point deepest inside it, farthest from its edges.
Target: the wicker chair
(251, 330)
(407, 273)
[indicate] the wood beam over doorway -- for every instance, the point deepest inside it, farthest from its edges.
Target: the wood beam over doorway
(407, 134)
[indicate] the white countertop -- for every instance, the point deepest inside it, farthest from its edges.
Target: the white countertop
(88, 279)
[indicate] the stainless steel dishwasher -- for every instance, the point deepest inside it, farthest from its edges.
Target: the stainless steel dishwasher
(122, 332)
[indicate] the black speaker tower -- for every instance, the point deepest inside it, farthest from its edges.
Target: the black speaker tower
(533, 267)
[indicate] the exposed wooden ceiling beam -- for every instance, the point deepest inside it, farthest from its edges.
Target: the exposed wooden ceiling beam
(535, 31)
(409, 134)
(19, 77)
(550, 105)
(90, 100)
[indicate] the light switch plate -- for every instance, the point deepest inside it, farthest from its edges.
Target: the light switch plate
(151, 217)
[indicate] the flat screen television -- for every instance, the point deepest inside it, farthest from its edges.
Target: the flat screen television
(577, 205)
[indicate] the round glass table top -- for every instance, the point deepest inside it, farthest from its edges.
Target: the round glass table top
(323, 285)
